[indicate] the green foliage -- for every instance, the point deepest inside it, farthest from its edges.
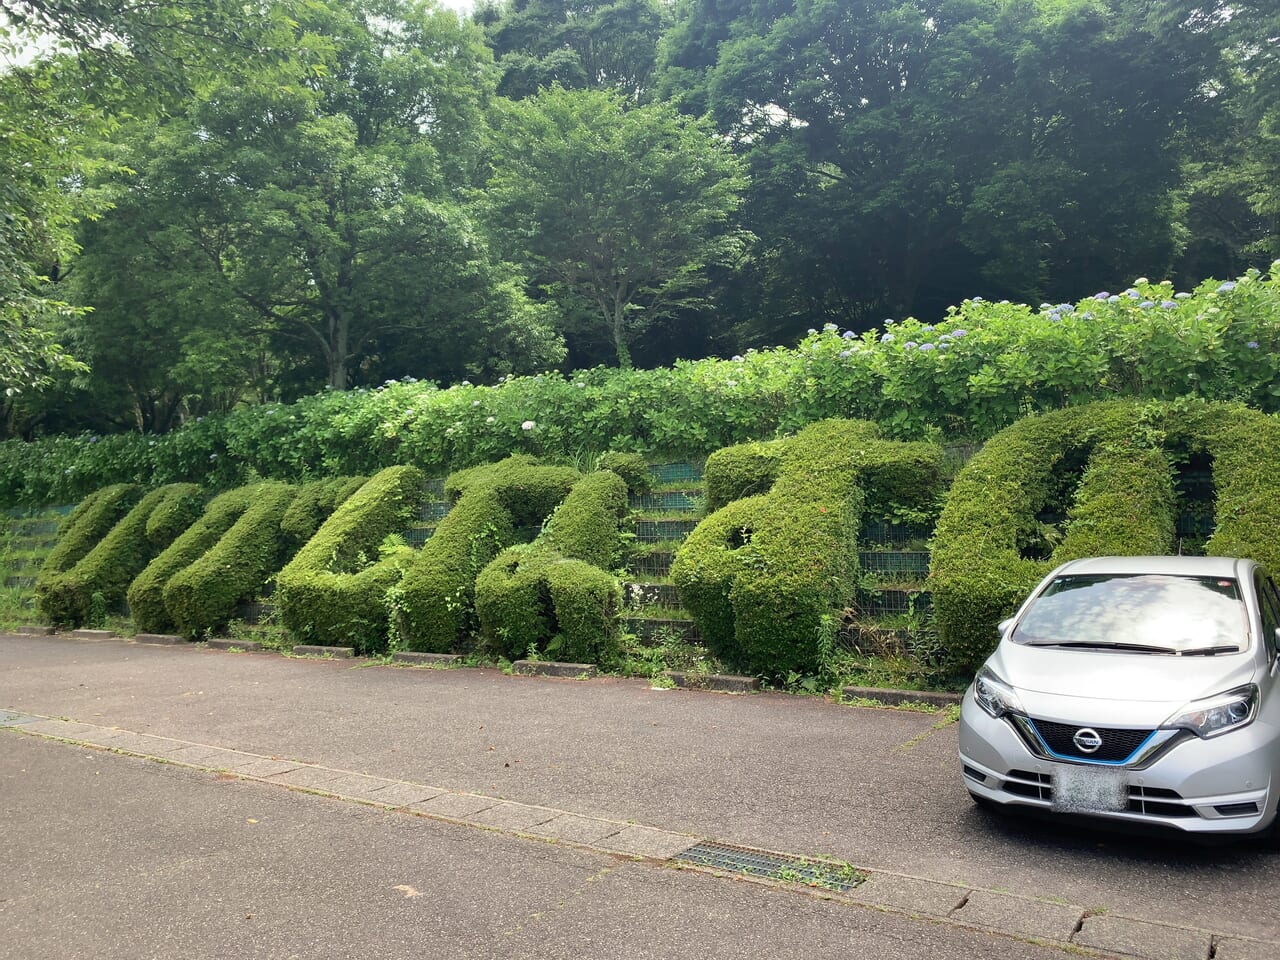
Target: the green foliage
(744, 470)
(562, 198)
(989, 550)
(105, 572)
(84, 528)
(765, 576)
(204, 594)
(438, 606)
(314, 504)
(556, 596)
(978, 371)
(333, 591)
(631, 467)
(146, 593)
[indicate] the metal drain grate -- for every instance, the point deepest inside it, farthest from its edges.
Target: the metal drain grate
(8, 719)
(839, 877)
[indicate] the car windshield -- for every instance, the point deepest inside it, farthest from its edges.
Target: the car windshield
(1156, 612)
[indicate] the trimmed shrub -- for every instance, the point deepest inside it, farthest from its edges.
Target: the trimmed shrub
(204, 595)
(1125, 496)
(556, 596)
(631, 467)
(766, 575)
(744, 470)
(437, 602)
(146, 593)
(105, 572)
(86, 525)
(314, 504)
(175, 514)
(979, 569)
(984, 562)
(333, 592)
(1246, 453)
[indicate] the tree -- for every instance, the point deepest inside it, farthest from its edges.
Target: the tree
(317, 207)
(578, 44)
(38, 156)
(901, 150)
(619, 210)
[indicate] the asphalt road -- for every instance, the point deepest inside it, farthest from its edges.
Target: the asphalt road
(876, 788)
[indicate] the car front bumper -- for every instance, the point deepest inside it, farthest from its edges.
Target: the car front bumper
(1222, 785)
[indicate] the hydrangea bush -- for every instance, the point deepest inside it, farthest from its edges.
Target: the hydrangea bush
(967, 376)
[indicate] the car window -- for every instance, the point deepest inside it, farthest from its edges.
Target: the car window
(1269, 602)
(1155, 611)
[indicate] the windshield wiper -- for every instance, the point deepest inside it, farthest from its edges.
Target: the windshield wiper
(1093, 645)
(1208, 651)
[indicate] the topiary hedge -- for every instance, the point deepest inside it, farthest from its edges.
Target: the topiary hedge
(985, 559)
(557, 596)
(84, 527)
(334, 591)
(631, 467)
(146, 593)
(203, 595)
(437, 596)
(314, 504)
(743, 470)
(765, 576)
(117, 558)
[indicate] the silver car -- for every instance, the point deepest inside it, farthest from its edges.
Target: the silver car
(1144, 690)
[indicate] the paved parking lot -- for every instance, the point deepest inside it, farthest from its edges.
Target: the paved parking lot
(802, 776)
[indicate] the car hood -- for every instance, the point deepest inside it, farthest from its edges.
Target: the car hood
(1115, 688)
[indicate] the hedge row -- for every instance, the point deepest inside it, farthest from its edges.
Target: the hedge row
(147, 592)
(491, 503)
(556, 596)
(314, 504)
(204, 595)
(970, 374)
(985, 560)
(333, 592)
(84, 527)
(765, 576)
(113, 563)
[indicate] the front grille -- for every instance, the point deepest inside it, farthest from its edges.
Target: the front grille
(1118, 744)
(1150, 801)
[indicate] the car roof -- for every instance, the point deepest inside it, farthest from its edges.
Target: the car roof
(1178, 566)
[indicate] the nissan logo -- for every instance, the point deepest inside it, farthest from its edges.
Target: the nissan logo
(1087, 740)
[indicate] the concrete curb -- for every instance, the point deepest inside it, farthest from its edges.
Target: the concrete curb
(895, 697)
(331, 653)
(1070, 927)
(161, 639)
(34, 631)
(551, 668)
(427, 659)
(716, 682)
(227, 643)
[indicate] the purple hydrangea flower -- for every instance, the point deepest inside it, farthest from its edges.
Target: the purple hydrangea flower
(849, 335)
(1102, 296)
(736, 358)
(957, 334)
(1113, 299)
(846, 354)
(886, 338)
(1252, 344)
(1168, 304)
(910, 345)
(926, 347)
(975, 300)
(1182, 296)
(1146, 304)
(1227, 287)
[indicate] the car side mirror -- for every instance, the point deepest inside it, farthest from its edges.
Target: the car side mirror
(1003, 626)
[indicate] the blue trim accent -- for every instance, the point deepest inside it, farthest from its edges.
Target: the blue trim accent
(1097, 763)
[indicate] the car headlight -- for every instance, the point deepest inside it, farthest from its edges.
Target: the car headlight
(1214, 715)
(994, 695)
